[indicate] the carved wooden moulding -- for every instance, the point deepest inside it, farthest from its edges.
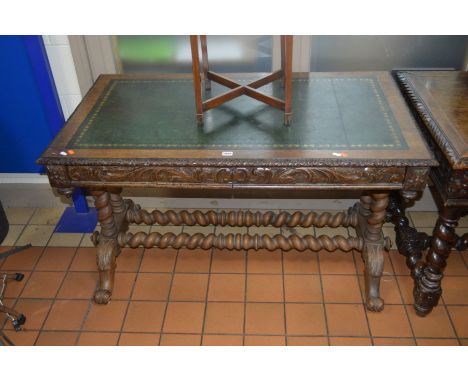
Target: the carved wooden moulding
(66, 176)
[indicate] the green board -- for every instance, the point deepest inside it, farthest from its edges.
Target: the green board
(328, 113)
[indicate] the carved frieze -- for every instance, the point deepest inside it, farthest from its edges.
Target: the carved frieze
(416, 178)
(237, 175)
(457, 186)
(58, 176)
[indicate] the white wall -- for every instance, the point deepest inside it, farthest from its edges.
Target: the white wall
(64, 73)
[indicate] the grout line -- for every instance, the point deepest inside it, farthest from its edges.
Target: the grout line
(363, 293)
(453, 325)
(323, 298)
(206, 298)
(24, 227)
(216, 273)
(246, 261)
(284, 300)
(168, 297)
(222, 301)
(85, 317)
(130, 295)
(54, 299)
(405, 307)
(250, 335)
(463, 259)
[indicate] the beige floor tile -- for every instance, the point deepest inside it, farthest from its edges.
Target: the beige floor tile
(19, 215)
(270, 231)
(287, 231)
(460, 231)
(428, 230)
(390, 232)
(343, 231)
(463, 222)
(162, 229)
(197, 229)
(139, 228)
(423, 219)
(227, 230)
(48, 216)
(65, 240)
(86, 241)
(14, 232)
(37, 235)
(352, 231)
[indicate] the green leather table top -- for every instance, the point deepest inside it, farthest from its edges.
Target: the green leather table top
(360, 115)
(328, 112)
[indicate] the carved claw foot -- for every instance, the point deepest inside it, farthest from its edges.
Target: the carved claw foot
(107, 251)
(374, 304)
(102, 296)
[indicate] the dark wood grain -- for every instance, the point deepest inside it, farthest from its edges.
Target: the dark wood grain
(439, 101)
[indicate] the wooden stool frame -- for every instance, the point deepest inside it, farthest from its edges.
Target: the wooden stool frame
(237, 89)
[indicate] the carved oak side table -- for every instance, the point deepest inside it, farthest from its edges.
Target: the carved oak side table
(439, 100)
(352, 131)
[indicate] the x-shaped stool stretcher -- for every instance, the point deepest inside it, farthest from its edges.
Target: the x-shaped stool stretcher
(237, 89)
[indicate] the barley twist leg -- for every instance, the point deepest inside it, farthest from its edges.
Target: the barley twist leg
(107, 247)
(373, 212)
(427, 288)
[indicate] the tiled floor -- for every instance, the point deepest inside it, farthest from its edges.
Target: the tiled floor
(183, 297)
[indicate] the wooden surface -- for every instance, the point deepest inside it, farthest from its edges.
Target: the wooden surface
(412, 151)
(441, 99)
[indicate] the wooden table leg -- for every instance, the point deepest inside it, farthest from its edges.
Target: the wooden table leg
(287, 72)
(409, 241)
(206, 65)
(107, 248)
(371, 218)
(196, 79)
(282, 59)
(427, 288)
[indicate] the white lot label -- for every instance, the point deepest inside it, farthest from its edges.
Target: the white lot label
(227, 153)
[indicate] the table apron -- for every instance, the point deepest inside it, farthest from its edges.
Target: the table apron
(230, 186)
(306, 178)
